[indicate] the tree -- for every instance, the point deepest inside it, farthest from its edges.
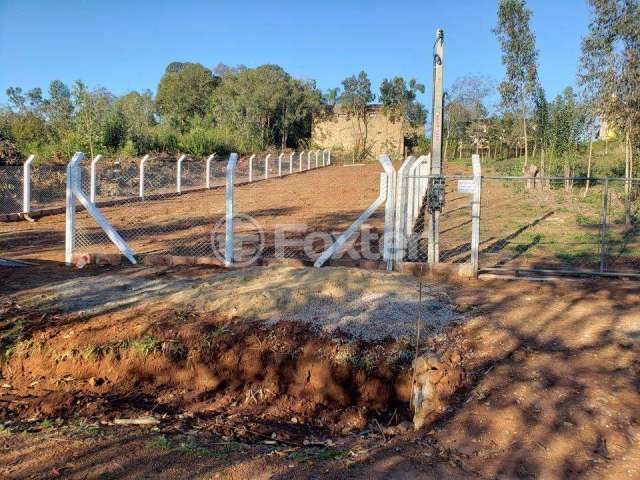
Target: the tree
(91, 111)
(610, 71)
(542, 125)
(465, 104)
(398, 99)
(331, 96)
(355, 99)
(264, 105)
(16, 99)
(138, 112)
(184, 92)
(58, 108)
(520, 58)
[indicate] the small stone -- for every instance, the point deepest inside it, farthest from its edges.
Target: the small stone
(96, 382)
(294, 420)
(404, 427)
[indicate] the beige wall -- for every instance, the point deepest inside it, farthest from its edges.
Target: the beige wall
(339, 131)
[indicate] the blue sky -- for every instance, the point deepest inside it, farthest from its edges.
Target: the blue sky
(124, 45)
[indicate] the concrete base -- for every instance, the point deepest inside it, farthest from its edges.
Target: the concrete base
(447, 271)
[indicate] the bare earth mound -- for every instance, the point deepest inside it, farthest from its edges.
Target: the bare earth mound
(370, 305)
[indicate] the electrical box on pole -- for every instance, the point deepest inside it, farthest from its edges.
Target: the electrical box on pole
(435, 195)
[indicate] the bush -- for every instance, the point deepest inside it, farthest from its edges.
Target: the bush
(129, 150)
(202, 141)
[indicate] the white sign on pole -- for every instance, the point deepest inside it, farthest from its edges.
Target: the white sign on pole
(466, 186)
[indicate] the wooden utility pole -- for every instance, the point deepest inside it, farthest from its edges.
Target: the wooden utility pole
(436, 194)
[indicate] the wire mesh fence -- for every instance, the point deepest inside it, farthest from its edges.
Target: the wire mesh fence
(455, 225)
(160, 222)
(10, 189)
(288, 209)
(48, 186)
(47, 190)
(300, 215)
(560, 224)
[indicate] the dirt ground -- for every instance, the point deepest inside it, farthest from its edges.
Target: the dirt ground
(551, 390)
(325, 200)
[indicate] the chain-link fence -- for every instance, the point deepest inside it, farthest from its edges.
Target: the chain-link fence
(300, 214)
(10, 189)
(454, 242)
(47, 188)
(284, 206)
(560, 224)
(153, 220)
(557, 224)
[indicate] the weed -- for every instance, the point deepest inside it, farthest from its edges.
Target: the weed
(46, 424)
(586, 220)
(191, 447)
(9, 339)
(145, 346)
(364, 361)
(184, 314)
(161, 442)
(4, 430)
(174, 350)
(307, 454)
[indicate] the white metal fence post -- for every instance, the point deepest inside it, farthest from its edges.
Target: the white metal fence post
(141, 180)
(309, 160)
(73, 183)
(401, 209)
(208, 171)
(251, 167)
(291, 162)
(179, 174)
(92, 178)
(228, 240)
(300, 161)
(280, 164)
(266, 166)
(475, 213)
(26, 184)
(317, 153)
(328, 157)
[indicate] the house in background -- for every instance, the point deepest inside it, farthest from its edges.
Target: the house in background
(337, 130)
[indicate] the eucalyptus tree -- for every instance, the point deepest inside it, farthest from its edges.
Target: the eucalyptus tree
(520, 58)
(610, 71)
(542, 124)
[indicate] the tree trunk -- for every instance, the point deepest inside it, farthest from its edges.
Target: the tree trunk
(542, 167)
(524, 128)
(535, 149)
(627, 175)
(586, 186)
